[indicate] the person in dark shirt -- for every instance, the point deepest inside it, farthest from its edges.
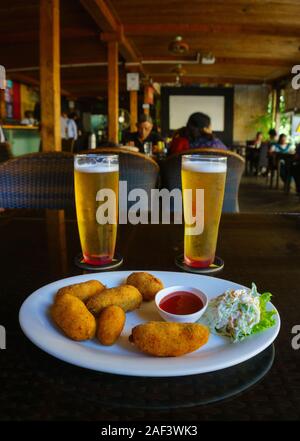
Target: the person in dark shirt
(272, 137)
(145, 133)
(197, 134)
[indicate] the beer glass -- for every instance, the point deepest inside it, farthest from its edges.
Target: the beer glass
(96, 183)
(209, 174)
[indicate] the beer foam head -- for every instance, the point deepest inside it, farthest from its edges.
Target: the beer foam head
(96, 167)
(205, 166)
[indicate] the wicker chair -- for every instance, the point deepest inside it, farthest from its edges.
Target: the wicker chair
(5, 151)
(171, 174)
(38, 181)
(138, 170)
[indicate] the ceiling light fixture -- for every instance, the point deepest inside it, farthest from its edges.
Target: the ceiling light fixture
(178, 46)
(208, 58)
(179, 70)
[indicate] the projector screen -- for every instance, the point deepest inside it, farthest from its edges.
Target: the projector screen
(182, 106)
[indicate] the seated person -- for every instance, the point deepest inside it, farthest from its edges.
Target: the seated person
(272, 137)
(263, 161)
(258, 140)
(145, 133)
(197, 133)
(282, 146)
(253, 152)
(28, 119)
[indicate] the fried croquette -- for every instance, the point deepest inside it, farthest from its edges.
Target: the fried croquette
(167, 339)
(147, 284)
(125, 296)
(72, 316)
(111, 322)
(82, 291)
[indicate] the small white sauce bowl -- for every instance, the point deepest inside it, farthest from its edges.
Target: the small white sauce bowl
(179, 318)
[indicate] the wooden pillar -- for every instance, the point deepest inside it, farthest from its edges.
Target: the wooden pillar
(50, 74)
(113, 92)
(133, 110)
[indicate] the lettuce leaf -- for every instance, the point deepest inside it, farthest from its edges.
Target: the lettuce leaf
(267, 319)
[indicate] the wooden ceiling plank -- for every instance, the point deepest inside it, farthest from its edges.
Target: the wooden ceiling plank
(32, 36)
(172, 29)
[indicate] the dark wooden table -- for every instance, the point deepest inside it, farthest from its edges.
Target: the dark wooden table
(40, 248)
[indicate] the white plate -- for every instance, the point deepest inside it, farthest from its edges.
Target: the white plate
(123, 357)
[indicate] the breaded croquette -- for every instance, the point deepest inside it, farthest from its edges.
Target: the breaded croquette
(111, 322)
(125, 296)
(72, 316)
(167, 339)
(82, 291)
(146, 283)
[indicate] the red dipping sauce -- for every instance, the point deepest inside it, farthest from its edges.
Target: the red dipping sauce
(181, 303)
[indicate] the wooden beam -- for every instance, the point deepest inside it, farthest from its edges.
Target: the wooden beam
(172, 29)
(26, 79)
(101, 14)
(113, 92)
(50, 75)
(92, 81)
(247, 61)
(188, 80)
(126, 48)
(110, 25)
(133, 110)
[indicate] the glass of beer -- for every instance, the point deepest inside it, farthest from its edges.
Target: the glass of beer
(204, 179)
(96, 197)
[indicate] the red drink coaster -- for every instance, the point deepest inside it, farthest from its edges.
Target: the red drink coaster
(116, 262)
(216, 266)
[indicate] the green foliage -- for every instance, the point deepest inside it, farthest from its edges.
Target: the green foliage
(263, 123)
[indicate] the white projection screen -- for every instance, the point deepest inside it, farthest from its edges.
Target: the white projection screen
(182, 106)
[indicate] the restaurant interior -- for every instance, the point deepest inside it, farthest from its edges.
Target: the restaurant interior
(152, 83)
(108, 63)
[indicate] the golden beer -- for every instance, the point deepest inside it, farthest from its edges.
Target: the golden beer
(207, 173)
(93, 173)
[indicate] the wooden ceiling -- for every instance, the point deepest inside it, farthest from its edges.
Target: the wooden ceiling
(253, 41)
